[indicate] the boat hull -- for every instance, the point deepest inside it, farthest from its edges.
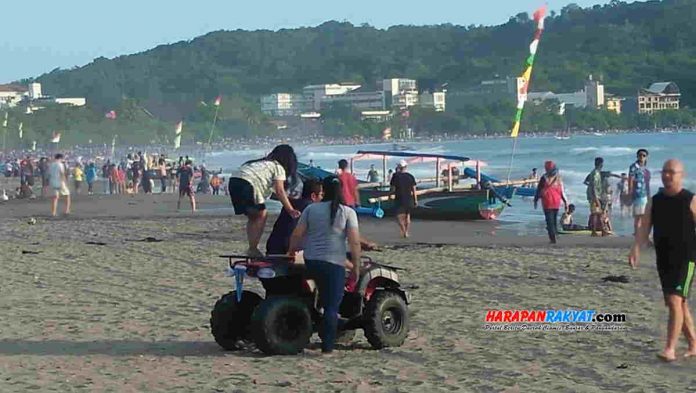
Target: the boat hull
(444, 206)
(457, 205)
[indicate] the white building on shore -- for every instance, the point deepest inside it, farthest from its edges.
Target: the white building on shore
(32, 96)
(391, 94)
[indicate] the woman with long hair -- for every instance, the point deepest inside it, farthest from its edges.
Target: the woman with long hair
(322, 232)
(551, 192)
(256, 181)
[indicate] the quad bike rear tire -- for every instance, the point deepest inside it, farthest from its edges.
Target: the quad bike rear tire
(281, 325)
(230, 321)
(386, 320)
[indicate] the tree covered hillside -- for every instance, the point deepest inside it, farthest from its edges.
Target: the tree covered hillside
(629, 45)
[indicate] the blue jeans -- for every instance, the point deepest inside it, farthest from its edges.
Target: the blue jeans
(331, 280)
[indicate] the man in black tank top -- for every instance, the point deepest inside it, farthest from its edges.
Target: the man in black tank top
(672, 215)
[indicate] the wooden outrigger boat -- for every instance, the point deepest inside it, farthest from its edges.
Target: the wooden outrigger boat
(439, 198)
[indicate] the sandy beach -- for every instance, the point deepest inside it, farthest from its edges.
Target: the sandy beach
(87, 305)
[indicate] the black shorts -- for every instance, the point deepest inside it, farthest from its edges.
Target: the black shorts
(242, 196)
(403, 207)
(185, 191)
(676, 278)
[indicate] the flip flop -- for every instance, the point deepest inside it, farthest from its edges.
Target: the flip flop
(689, 355)
(665, 358)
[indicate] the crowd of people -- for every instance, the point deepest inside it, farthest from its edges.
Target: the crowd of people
(134, 173)
(631, 193)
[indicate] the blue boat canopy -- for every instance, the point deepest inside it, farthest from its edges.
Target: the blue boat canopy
(404, 154)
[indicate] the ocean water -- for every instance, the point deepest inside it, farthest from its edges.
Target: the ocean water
(574, 157)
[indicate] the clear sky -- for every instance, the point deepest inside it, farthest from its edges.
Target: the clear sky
(40, 35)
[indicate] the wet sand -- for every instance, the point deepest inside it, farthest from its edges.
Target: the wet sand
(87, 306)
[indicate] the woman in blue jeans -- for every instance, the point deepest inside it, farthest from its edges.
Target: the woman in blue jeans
(322, 232)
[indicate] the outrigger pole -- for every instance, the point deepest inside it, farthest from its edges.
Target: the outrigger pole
(523, 84)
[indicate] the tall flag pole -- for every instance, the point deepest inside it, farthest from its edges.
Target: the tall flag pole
(524, 80)
(4, 132)
(177, 134)
(113, 146)
(217, 103)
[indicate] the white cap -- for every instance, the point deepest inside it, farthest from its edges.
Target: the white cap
(403, 163)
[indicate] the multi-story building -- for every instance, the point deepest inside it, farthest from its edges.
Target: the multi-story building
(595, 93)
(659, 97)
(358, 98)
(394, 93)
(400, 93)
(10, 95)
(613, 104)
(436, 100)
(317, 93)
(285, 104)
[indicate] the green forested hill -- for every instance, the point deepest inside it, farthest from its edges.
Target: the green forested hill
(627, 45)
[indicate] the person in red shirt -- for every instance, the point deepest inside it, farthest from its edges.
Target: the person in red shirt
(550, 191)
(349, 185)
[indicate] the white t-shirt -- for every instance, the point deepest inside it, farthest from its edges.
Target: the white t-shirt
(56, 174)
(261, 175)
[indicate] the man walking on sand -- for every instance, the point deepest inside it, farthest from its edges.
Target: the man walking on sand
(639, 186)
(185, 180)
(672, 215)
(58, 180)
(403, 185)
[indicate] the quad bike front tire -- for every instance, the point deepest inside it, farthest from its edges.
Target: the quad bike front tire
(230, 321)
(281, 325)
(386, 320)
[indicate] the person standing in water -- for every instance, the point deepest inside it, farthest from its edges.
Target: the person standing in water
(551, 192)
(595, 187)
(671, 214)
(257, 179)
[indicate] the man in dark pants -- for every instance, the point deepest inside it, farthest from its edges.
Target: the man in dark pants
(672, 215)
(403, 185)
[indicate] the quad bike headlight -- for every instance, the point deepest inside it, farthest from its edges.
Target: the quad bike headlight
(265, 273)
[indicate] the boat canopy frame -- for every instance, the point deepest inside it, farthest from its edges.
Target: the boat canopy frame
(437, 157)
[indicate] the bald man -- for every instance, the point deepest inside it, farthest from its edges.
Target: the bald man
(672, 215)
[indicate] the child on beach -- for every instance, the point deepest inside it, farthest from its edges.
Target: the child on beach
(279, 240)
(255, 182)
(567, 220)
(78, 177)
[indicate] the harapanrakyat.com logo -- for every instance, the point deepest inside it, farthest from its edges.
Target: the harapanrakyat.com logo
(553, 320)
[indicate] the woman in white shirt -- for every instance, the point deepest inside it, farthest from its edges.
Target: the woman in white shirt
(256, 181)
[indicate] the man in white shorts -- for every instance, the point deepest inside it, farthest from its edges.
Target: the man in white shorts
(639, 186)
(58, 181)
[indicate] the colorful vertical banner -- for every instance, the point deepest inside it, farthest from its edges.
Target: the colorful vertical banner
(523, 81)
